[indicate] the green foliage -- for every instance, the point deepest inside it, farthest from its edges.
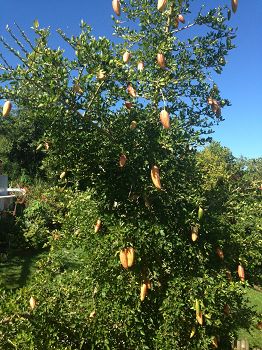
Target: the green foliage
(84, 298)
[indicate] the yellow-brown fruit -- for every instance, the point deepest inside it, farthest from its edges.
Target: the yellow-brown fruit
(98, 225)
(39, 147)
(122, 160)
(216, 107)
(143, 291)
(127, 257)
(210, 101)
(200, 318)
(140, 66)
(214, 342)
(131, 90)
(47, 146)
(181, 18)
(128, 104)
(7, 108)
(32, 303)
(155, 176)
(116, 7)
(161, 61)
(62, 175)
(165, 119)
(234, 4)
(101, 75)
(77, 89)
(161, 5)
(126, 56)
(133, 125)
(241, 272)
(220, 253)
(194, 233)
(92, 314)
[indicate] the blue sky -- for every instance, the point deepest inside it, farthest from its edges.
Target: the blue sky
(241, 81)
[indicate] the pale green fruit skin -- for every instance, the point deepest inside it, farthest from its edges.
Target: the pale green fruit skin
(200, 213)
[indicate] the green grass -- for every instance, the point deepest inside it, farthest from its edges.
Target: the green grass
(254, 336)
(16, 268)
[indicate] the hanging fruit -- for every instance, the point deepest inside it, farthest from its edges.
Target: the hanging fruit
(194, 233)
(128, 104)
(101, 75)
(77, 89)
(122, 160)
(133, 125)
(140, 66)
(127, 257)
(165, 119)
(7, 108)
(116, 7)
(216, 107)
(234, 4)
(181, 18)
(214, 342)
(161, 5)
(155, 176)
(62, 175)
(241, 272)
(143, 291)
(220, 253)
(131, 90)
(193, 332)
(126, 56)
(32, 303)
(199, 314)
(92, 314)
(200, 213)
(98, 225)
(161, 60)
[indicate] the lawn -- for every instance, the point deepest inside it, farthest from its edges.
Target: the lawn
(17, 267)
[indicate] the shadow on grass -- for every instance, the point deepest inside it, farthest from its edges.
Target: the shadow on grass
(17, 267)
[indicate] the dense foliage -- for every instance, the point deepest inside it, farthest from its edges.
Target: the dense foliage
(94, 124)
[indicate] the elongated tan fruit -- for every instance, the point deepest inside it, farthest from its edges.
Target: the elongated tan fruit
(241, 272)
(122, 160)
(143, 291)
(77, 89)
(155, 176)
(133, 125)
(62, 175)
(98, 225)
(194, 233)
(234, 4)
(216, 107)
(215, 342)
(116, 7)
(32, 303)
(181, 18)
(220, 253)
(161, 5)
(161, 60)
(127, 257)
(7, 108)
(126, 56)
(165, 119)
(131, 90)
(200, 318)
(128, 104)
(140, 66)
(101, 75)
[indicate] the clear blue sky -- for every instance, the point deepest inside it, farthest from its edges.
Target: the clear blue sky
(241, 81)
